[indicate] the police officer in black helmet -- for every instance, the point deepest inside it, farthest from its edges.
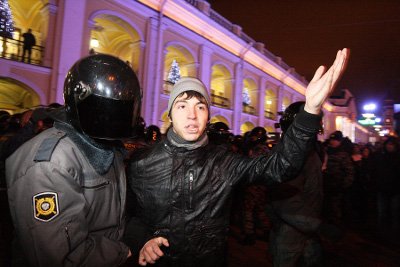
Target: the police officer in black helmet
(67, 186)
(218, 133)
(295, 209)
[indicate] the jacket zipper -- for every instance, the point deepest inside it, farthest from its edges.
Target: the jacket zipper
(68, 238)
(191, 177)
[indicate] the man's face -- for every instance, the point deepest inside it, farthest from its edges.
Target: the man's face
(189, 117)
(390, 147)
(334, 142)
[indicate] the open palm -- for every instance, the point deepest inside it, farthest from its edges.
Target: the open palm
(323, 82)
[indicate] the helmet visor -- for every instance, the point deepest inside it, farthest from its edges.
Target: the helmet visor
(106, 118)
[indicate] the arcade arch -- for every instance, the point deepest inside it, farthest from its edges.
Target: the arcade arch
(249, 96)
(221, 86)
(184, 60)
(16, 97)
(245, 127)
(113, 35)
(270, 102)
(220, 118)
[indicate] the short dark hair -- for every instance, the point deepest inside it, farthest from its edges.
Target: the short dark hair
(190, 94)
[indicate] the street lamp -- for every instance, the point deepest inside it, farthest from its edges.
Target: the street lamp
(369, 107)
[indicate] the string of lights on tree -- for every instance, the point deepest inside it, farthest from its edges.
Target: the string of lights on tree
(246, 97)
(174, 74)
(6, 21)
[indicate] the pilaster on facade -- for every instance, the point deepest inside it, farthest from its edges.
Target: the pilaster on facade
(70, 42)
(140, 72)
(204, 72)
(158, 86)
(237, 100)
(280, 94)
(261, 100)
(151, 67)
(51, 10)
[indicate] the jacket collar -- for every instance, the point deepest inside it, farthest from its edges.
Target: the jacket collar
(99, 156)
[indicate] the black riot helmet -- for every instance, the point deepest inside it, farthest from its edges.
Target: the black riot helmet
(102, 97)
(258, 135)
(218, 132)
(289, 114)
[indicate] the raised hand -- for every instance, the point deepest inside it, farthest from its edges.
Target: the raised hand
(323, 82)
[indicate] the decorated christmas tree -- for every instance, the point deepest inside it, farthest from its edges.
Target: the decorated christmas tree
(246, 97)
(6, 23)
(174, 72)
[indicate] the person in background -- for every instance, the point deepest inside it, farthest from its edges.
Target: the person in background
(295, 209)
(184, 184)
(255, 195)
(338, 177)
(28, 43)
(386, 170)
(67, 185)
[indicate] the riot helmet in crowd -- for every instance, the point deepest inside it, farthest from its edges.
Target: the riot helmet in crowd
(258, 135)
(218, 132)
(237, 140)
(289, 114)
(102, 97)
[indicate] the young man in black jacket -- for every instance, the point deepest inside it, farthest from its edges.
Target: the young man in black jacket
(183, 185)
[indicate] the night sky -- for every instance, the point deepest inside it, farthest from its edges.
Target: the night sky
(308, 33)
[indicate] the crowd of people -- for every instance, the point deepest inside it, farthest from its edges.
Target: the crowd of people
(343, 184)
(89, 183)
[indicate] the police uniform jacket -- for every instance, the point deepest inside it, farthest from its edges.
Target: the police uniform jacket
(67, 200)
(184, 195)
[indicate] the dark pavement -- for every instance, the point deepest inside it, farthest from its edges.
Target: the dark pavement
(355, 249)
(358, 247)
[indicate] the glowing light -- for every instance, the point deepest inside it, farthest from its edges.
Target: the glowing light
(366, 121)
(369, 107)
(368, 115)
(94, 43)
(100, 86)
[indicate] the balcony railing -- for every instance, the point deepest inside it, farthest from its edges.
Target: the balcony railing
(220, 101)
(249, 109)
(13, 49)
(269, 115)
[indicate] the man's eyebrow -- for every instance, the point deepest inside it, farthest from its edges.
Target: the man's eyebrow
(180, 101)
(201, 102)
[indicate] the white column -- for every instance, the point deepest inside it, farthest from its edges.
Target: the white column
(51, 10)
(205, 66)
(148, 67)
(237, 100)
(158, 71)
(70, 42)
(261, 101)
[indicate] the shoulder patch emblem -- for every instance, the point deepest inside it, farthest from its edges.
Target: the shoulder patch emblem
(45, 206)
